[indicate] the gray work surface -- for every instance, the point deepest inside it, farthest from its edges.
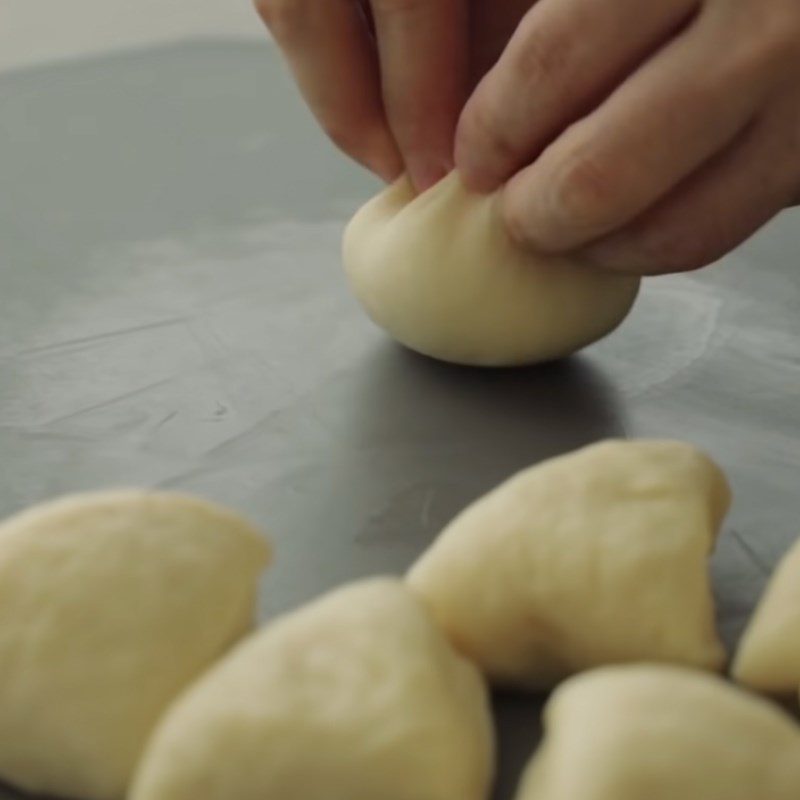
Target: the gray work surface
(173, 314)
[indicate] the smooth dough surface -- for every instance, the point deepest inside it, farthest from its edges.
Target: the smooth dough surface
(441, 275)
(768, 658)
(662, 733)
(356, 696)
(595, 557)
(110, 604)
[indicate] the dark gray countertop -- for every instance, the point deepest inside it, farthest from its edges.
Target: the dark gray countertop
(173, 314)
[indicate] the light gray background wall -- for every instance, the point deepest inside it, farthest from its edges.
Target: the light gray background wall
(35, 31)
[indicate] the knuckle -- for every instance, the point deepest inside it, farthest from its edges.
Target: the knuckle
(483, 129)
(539, 58)
(768, 34)
(781, 24)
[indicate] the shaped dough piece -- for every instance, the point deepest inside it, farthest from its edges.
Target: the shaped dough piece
(662, 733)
(768, 658)
(592, 558)
(356, 696)
(110, 604)
(440, 274)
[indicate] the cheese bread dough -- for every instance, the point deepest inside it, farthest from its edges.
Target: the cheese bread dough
(662, 733)
(439, 272)
(595, 557)
(768, 658)
(110, 604)
(356, 696)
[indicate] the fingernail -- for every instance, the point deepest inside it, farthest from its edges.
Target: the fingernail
(388, 173)
(386, 165)
(472, 175)
(529, 218)
(520, 217)
(426, 172)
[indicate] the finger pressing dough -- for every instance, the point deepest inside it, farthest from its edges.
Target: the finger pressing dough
(356, 696)
(439, 272)
(662, 733)
(110, 604)
(768, 658)
(596, 557)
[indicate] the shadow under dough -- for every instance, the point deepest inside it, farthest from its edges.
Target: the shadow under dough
(478, 426)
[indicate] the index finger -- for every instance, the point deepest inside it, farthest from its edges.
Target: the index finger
(563, 59)
(669, 118)
(329, 49)
(423, 52)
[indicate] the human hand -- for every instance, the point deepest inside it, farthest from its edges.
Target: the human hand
(653, 135)
(387, 79)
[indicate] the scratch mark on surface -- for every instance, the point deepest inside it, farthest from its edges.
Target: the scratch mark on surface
(751, 553)
(160, 424)
(219, 413)
(710, 333)
(217, 339)
(208, 340)
(96, 338)
(109, 401)
(179, 480)
(247, 433)
(44, 435)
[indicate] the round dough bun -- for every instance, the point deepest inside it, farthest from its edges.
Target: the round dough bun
(439, 273)
(595, 557)
(662, 733)
(356, 696)
(110, 604)
(768, 658)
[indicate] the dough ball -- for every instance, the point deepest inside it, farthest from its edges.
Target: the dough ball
(769, 654)
(356, 696)
(440, 274)
(596, 557)
(110, 604)
(662, 733)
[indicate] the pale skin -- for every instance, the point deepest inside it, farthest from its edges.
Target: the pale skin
(645, 135)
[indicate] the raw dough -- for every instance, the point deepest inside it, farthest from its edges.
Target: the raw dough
(356, 696)
(662, 733)
(110, 604)
(440, 274)
(596, 557)
(769, 654)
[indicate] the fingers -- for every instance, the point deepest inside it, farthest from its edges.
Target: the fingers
(386, 80)
(679, 109)
(563, 58)
(491, 25)
(329, 49)
(718, 207)
(365, 9)
(423, 51)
